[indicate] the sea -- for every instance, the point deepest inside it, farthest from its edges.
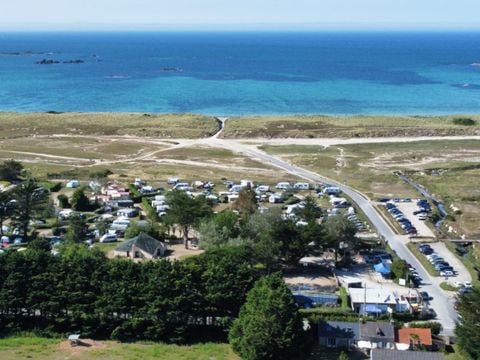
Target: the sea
(241, 73)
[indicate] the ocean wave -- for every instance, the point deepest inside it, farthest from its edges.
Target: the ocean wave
(117, 77)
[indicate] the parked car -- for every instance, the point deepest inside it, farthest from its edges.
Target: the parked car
(108, 238)
(446, 273)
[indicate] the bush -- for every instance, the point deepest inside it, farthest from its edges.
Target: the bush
(464, 121)
(63, 201)
(56, 187)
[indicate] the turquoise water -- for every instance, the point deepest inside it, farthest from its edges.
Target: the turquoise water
(242, 73)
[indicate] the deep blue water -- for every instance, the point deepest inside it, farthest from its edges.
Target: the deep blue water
(242, 73)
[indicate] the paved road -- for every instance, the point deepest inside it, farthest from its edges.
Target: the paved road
(442, 302)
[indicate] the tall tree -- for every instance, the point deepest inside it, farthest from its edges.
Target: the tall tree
(218, 230)
(259, 228)
(80, 201)
(11, 170)
(269, 325)
(186, 211)
(77, 228)
(340, 233)
(30, 200)
(246, 203)
(310, 211)
(6, 208)
(468, 336)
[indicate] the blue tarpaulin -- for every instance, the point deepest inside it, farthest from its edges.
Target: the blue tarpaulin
(382, 268)
(373, 309)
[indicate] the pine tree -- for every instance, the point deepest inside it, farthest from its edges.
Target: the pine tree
(80, 201)
(269, 325)
(468, 336)
(30, 200)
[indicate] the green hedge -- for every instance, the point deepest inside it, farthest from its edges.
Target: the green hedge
(436, 327)
(151, 213)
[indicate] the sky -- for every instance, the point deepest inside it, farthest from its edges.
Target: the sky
(239, 14)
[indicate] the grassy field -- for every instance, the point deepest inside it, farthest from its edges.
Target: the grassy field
(303, 126)
(53, 349)
(13, 125)
(449, 169)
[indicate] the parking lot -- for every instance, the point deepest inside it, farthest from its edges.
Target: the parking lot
(408, 209)
(462, 273)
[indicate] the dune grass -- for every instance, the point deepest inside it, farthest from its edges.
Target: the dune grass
(14, 125)
(313, 126)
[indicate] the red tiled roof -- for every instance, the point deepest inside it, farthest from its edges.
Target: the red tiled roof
(424, 336)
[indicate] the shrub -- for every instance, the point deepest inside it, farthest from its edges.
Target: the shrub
(464, 121)
(63, 201)
(436, 327)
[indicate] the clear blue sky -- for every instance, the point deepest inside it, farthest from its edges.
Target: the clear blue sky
(240, 14)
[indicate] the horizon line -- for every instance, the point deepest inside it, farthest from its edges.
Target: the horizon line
(247, 27)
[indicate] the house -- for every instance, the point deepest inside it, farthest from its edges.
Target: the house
(381, 354)
(414, 338)
(375, 301)
(338, 334)
(376, 335)
(141, 246)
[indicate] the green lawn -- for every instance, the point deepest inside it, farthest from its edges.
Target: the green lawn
(16, 348)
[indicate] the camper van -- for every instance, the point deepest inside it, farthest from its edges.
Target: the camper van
(301, 186)
(283, 185)
(332, 190)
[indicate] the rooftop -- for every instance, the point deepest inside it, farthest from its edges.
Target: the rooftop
(424, 336)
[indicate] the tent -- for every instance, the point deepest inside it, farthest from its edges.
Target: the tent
(383, 268)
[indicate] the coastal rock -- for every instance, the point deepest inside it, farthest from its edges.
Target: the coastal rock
(47, 62)
(51, 62)
(78, 61)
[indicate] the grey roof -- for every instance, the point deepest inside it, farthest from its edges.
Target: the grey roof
(381, 354)
(338, 329)
(142, 241)
(377, 331)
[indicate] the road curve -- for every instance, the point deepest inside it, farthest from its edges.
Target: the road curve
(442, 302)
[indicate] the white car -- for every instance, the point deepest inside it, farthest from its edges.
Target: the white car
(446, 273)
(108, 238)
(467, 284)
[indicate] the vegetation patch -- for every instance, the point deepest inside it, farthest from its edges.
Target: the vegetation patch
(447, 287)
(464, 121)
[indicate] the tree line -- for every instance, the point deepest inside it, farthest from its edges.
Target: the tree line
(80, 290)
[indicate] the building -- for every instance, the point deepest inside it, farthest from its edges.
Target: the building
(142, 246)
(376, 335)
(338, 334)
(376, 301)
(414, 338)
(381, 354)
